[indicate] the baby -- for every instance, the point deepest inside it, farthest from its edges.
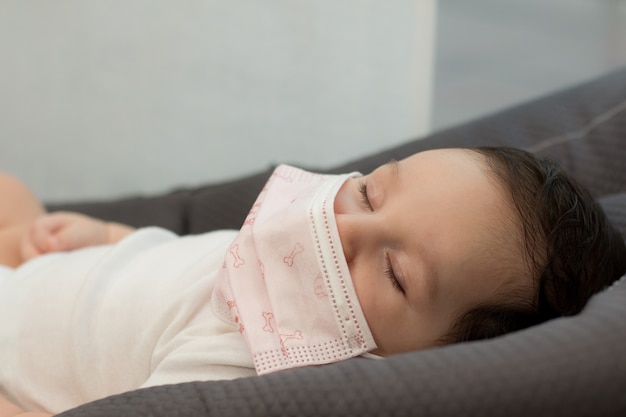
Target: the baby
(445, 246)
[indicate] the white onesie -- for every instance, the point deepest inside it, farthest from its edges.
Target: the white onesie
(75, 327)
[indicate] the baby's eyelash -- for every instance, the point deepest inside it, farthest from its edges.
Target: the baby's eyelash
(392, 276)
(364, 198)
(394, 281)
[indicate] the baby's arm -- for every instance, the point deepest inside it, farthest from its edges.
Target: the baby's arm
(8, 409)
(65, 231)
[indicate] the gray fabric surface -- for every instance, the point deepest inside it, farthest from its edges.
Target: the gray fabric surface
(571, 367)
(614, 206)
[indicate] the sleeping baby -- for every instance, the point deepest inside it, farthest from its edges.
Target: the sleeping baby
(445, 246)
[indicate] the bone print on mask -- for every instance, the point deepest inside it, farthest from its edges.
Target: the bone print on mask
(318, 287)
(239, 261)
(268, 316)
(297, 335)
(232, 305)
(251, 217)
(298, 248)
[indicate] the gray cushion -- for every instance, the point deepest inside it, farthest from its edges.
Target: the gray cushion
(614, 206)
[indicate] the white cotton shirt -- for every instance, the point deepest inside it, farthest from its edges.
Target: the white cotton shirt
(79, 326)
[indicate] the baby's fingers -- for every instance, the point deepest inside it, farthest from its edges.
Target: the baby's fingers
(69, 231)
(40, 237)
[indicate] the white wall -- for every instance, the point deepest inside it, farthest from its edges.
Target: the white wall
(109, 98)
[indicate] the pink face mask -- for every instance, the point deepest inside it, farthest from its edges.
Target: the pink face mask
(285, 280)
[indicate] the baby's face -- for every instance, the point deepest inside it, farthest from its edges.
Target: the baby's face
(421, 240)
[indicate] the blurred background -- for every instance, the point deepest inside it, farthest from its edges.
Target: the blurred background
(109, 99)
(491, 54)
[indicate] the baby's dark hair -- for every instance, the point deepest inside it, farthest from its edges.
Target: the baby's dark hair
(571, 248)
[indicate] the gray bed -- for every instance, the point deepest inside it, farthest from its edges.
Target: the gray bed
(573, 366)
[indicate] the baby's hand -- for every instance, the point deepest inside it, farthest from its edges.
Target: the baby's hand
(62, 231)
